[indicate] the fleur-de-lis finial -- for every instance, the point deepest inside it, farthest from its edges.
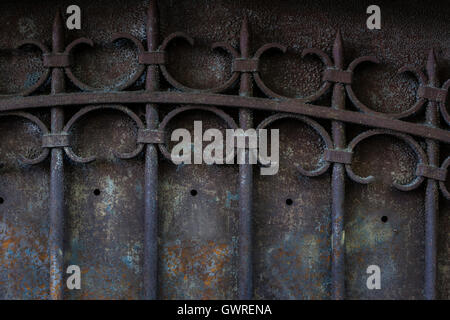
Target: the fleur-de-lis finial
(243, 60)
(59, 56)
(429, 89)
(335, 71)
(245, 38)
(431, 69)
(338, 51)
(152, 29)
(58, 33)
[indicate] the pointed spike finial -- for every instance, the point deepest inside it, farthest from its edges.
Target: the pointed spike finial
(245, 38)
(431, 68)
(58, 33)
(152, 26)
(338, 50)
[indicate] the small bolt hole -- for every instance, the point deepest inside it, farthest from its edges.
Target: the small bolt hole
(384, 219)
(97, 192)
(193, 192)
(289, 202)
(2, 200)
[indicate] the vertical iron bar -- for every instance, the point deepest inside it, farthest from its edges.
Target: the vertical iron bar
(245, 181)
(338, 183)
(57, 173)
(432, 192)
(151, 165)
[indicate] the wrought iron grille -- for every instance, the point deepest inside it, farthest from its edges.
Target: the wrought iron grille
(424, 139)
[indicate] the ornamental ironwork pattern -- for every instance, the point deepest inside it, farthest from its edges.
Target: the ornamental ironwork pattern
(152, 59)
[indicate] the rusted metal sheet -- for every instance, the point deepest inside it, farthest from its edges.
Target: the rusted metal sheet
(199, 243)
(87, 178)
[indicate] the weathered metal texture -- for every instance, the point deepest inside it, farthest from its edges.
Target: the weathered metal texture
(245, 276)
(56, 211)
(338, 179)
(379, 228)
(24, 268)
(104, 202)
(432, 191)
(292, 226)
(199, 243)
(141, 227)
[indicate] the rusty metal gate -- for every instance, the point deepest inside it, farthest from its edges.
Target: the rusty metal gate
(86, 176)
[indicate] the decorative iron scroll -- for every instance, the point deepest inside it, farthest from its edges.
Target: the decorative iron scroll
(334, 76)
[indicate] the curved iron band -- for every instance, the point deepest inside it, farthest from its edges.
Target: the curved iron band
(41, 126)
(417, 106)
(271, 94)
(421, 157)
(162, 64)
(44, 49)
(220, 100)
(88, 109)
(435, 95)
(334, 74)
(426, 93)
(444, 111)
(228, 120)
(221, 88)
(323, 165)
(251, 65)
(442, 186)
(326, 85)
(83, 86)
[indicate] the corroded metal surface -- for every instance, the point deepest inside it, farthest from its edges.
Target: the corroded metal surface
(363, 150)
